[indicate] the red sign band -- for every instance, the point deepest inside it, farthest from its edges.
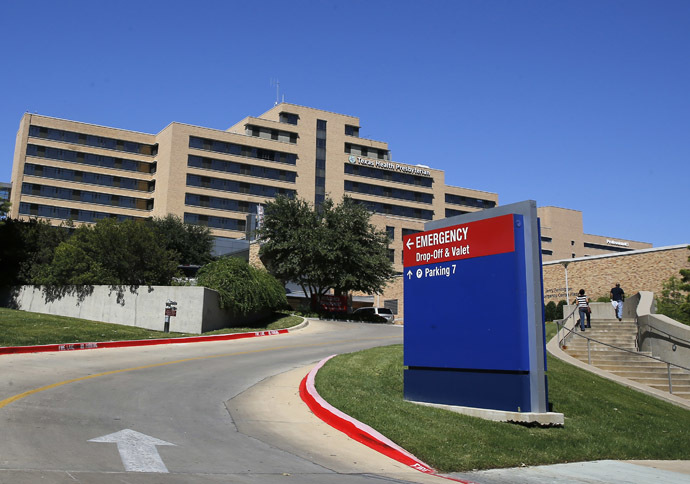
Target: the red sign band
(475, 239)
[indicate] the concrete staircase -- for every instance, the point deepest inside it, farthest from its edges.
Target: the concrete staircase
(633, 366)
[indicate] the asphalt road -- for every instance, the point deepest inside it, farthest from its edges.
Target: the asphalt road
(158, 414)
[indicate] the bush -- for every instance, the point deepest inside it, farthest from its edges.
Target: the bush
(243, 289)
(674, 301)
(559, 309)
(550, 311)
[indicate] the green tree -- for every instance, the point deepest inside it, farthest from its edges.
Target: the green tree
(4, 209)
(243, 289)
(550, 311)
(559, 309)
(112, 253)
(192, 243)
(26, 247)
(674, 301)
(326, 247)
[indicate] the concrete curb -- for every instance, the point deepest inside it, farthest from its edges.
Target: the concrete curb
(357, 430)
(8, 350)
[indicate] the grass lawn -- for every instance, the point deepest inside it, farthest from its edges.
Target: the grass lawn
(21, 328)
(603, 420)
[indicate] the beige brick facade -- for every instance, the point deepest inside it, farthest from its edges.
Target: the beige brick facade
(642, 270)
(563, 237)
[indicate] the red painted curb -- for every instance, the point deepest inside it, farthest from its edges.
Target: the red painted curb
(357, 430)
(6, 350)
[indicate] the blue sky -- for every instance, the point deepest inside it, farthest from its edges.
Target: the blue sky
(578, 104)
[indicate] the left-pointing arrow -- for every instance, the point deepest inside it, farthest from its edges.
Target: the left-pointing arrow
(137, 450)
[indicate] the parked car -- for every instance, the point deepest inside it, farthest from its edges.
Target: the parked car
(384, 313)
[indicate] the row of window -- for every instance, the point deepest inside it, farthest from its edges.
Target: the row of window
(400, 211)
(241, 168)
(38, 210)
(394, 176)
(242, 150)
(237, 187)
(89, 159)
(268, 133)
(86, 196)
(469, 201)
(320, 163)
(367, 151)
(215, 222)
(220, 203)
(88, 177)
(452, 213)
(607, 248)
(91, 140)
(389, 192)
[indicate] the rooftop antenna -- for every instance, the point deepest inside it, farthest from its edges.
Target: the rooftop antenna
(276, 83)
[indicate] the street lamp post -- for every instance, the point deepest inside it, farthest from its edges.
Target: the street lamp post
(567, 292)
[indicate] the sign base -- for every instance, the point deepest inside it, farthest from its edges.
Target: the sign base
(547, 419)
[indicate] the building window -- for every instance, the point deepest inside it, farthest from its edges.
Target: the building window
(288, 118)
(390, 231)
(352, 130)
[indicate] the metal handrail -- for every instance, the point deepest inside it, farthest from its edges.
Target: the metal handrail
(664, 332)
(558, 333)
(589, 351)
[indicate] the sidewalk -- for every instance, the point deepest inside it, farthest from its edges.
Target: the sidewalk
(273, 412)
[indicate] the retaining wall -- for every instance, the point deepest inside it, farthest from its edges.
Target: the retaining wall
(198, 308)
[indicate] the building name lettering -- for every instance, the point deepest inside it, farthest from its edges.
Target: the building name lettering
(617, 242)
(388, 165)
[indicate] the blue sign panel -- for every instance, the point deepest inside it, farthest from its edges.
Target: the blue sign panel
(470, 314)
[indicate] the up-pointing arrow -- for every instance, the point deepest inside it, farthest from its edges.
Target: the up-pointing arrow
(409, 274)
(137, 451)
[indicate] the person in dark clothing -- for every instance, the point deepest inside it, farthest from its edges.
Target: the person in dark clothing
(617, 298)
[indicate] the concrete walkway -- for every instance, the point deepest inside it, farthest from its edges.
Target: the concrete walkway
(273, 412)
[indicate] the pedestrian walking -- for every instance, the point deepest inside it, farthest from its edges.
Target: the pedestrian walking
(617, 298)
(582, 302)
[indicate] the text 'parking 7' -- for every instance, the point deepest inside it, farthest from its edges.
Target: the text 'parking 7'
(435, 271)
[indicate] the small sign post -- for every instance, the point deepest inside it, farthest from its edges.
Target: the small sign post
(170, 310)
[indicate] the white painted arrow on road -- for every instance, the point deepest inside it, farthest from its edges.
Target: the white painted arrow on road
(137, 450)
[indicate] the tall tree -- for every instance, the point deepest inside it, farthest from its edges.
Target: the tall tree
(193, 243)
(112, 253)
(674, 300)
(326, 247)
(25, 246)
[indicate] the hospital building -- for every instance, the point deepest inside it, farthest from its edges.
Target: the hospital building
(72, 170)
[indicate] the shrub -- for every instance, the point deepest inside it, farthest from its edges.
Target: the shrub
(559, 309)
(243, 289)
(550, 311)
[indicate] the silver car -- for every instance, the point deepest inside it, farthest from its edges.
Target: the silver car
(385, 313)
